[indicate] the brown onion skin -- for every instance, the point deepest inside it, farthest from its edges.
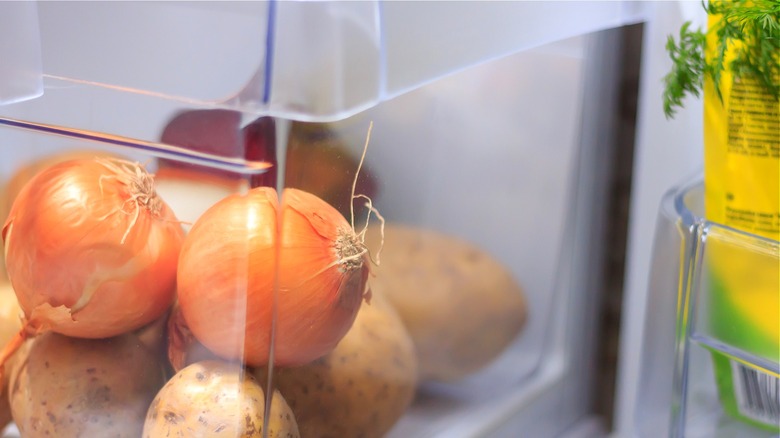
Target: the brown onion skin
(227, 278)
(63, 243)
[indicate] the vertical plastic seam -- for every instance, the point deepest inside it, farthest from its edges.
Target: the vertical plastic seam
(382, 92)
(697, 235)
(269, 51)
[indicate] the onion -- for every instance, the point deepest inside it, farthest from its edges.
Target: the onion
(26, 172)
(91, 250)
(183, 348)
(228, 277)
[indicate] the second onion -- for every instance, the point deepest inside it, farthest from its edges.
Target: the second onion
(245, 262)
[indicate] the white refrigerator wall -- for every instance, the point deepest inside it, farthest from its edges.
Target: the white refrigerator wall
(667, 152)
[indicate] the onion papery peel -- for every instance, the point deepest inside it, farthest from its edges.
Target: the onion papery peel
(32, 328)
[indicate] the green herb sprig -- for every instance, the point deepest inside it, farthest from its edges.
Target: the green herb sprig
(754, 23)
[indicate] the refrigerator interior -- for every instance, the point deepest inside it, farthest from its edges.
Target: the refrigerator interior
(509, 145)
(655, 394)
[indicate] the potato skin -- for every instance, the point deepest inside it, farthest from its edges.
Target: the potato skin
(362, 387)
(319, 162)
(461, 306)
(70, 387)
(10, 324)
(215, 398)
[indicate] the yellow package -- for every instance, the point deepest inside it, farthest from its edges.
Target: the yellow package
(742, 147)
(742, 191)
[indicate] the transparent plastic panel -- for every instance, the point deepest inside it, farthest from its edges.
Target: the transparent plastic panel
(736, 316)
(368, 52)
(711, 354)
(328, 58)
(705, 415)
(421, 329)
(20, 52)
(313, 61)
(209, 52)
(738, 302)
(425, 40)
(672, 243)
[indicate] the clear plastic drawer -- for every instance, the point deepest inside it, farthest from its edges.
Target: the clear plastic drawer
(445, 320)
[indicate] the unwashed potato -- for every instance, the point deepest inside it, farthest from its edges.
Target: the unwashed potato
(68, 387)
(154, 336)
(360, 389)
(10, 324)
(461, 306)
(216, 399)
(319, 162)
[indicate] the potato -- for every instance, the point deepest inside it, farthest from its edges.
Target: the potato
(461, 306)
(154, 336)
(10, 324)
(362, 387)
(216, 399)
(70, 387)
(320, 162)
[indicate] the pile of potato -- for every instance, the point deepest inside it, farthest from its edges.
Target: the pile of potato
(461, 306)
(441, 310)
(125, 387)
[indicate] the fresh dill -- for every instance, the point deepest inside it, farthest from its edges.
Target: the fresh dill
(753, 23)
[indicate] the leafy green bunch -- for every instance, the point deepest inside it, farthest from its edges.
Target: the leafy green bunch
(754, 23)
